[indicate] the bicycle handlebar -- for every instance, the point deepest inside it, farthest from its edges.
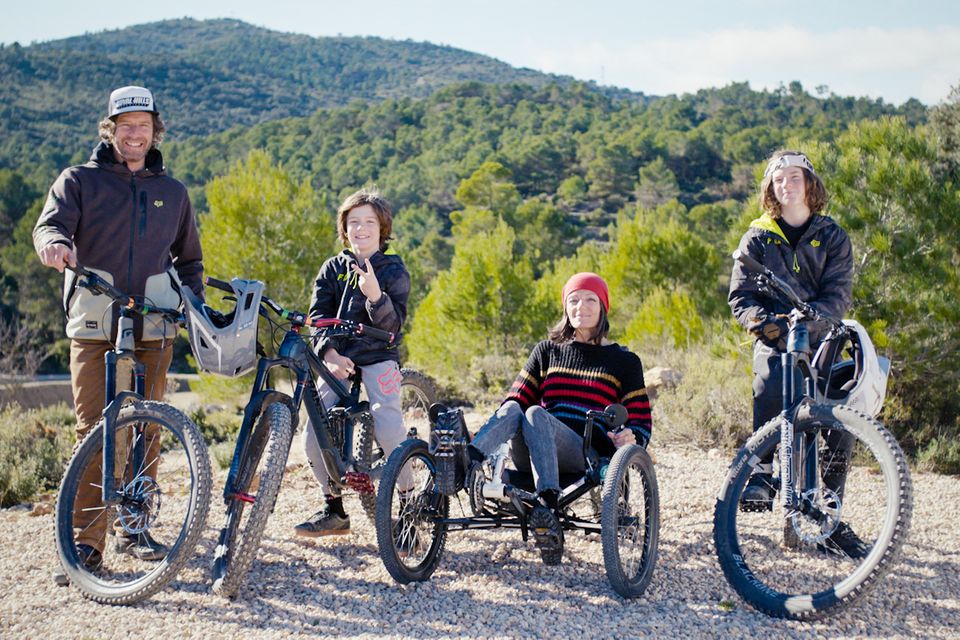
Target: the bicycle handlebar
(299, 318)
(98, 285)
(768, 277)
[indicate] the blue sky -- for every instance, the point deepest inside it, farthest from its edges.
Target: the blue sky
(892, 50)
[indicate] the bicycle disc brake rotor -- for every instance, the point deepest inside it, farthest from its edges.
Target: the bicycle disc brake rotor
(139, 505)
(828, 503)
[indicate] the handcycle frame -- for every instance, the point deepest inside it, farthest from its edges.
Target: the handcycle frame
(404, 518)
(523, 499)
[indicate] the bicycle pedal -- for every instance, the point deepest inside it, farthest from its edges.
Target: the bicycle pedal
(359, 482)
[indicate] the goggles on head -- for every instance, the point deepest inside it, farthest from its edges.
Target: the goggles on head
(792, 160)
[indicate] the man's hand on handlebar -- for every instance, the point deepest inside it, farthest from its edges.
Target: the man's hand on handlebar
(58, 256)
(340, 366)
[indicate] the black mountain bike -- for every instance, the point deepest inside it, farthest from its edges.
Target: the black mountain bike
(148, 462)
(345, 432)
(617, 498)
(840, 471)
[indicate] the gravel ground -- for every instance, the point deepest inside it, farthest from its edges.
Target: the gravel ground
(489, 583)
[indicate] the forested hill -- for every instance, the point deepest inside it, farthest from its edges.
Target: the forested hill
(592, 150)
(211, 75)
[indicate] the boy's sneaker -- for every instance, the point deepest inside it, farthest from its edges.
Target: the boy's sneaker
(141, 546)
(845, 543)
(758, 494)
(547, 534)
(323, 523)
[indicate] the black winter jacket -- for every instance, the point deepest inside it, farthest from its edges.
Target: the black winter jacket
(388, 314)
(137, 230)
(820, 270)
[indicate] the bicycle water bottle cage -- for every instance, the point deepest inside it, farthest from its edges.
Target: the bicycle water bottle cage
(448, 438)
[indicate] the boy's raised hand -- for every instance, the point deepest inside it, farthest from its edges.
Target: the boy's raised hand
(367, 281)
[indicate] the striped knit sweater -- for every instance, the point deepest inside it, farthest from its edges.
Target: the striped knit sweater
(572, 378)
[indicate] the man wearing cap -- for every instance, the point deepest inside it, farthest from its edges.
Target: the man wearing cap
(122, 217)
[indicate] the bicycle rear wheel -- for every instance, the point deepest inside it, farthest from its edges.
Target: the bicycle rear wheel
(630, 521)
(812, 569)
(256, 488)
(418, 392)
(163, 480)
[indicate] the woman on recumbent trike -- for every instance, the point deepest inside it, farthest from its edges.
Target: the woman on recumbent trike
(578, 404)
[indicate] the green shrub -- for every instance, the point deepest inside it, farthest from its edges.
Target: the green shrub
(218, 426)
(940, 455)
(711, 406)
(222, 453)
(34, 448)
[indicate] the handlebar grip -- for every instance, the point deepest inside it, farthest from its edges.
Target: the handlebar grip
(373, 332)
(748, 261)
(617, 415)
(218, 284)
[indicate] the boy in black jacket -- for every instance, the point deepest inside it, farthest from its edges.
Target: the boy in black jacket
(367, 284)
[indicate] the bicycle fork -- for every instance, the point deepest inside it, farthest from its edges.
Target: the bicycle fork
(114, 455)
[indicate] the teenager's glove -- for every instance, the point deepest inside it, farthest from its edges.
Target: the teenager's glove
(771, 330)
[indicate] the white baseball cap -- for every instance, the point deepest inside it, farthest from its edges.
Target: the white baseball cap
(127, 99)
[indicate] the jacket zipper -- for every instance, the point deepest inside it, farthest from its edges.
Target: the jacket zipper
(133, 231)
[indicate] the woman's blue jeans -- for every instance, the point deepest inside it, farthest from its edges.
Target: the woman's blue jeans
(539, 443)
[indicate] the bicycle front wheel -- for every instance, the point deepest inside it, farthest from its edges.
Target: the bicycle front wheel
(124, 552)
(255, 493)
(856, 502)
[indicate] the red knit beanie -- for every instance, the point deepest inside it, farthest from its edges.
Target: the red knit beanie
(590, 282)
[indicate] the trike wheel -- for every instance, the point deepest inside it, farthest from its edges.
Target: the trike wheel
(855, 506)
(162, 472)
(630, 521)
(409, 507)
(259, 475)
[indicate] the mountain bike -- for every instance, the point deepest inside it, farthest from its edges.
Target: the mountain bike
(841, 479)
(617, 498)
(149, 465)
(344, 431)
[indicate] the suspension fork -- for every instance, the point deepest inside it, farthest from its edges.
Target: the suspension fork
(796, 360)
(787, 441)
(124, 349)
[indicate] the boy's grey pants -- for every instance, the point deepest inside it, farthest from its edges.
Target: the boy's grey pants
(381, 381)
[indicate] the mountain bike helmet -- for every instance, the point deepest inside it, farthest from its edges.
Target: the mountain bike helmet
(225, 343)
(859, 380)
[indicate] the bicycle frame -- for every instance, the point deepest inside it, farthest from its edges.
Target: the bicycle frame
(797, 360)
(295, 355)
